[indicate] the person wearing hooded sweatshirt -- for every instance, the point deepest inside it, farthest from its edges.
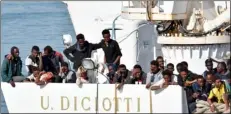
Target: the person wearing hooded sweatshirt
(11, 70)
(80, 50)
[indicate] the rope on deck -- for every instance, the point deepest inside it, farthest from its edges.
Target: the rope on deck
(203, 107)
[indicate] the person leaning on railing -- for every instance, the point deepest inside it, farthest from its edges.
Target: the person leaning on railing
(65, 74)
(11, 70)
(165, 82)
(136, 77)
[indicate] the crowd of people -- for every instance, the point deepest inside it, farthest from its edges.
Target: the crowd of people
(213, 85)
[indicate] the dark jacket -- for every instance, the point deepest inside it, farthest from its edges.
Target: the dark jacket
(112, 51)
(7, 69)
(79, 55)
(52, 63)
(203, 92)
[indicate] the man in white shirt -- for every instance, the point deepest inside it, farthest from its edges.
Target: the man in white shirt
(33, 60)
(154, 75)
(163, 83)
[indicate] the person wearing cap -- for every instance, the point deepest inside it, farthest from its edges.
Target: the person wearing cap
(66, 75)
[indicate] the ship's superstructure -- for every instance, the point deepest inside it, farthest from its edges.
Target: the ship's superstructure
(178, 30)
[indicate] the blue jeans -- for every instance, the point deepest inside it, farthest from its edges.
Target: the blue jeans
(113, 65)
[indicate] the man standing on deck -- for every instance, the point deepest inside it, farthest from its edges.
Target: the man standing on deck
(111, 50)
(80, 50)
(11, 70)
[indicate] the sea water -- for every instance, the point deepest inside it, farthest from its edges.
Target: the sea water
(25, 24)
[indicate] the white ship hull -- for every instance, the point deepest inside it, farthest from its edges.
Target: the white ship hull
(69, 98)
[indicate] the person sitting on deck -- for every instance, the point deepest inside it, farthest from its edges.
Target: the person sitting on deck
(121, 74)
(163, 83)
(33, 60)
(170, 67)
(160, 60)
(179, 67)
(201, 88)
(40, 77)
(209, 66)
(137, 77)
(185, 65)
(111, 73)
(222, 71)
(66, 75)
(219, 92)
(154, 75)
(81, 76)
(11, 70)
(52, 60)
(185, 79)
